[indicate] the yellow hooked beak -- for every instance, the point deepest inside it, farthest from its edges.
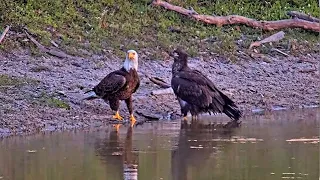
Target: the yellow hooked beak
(131, 55)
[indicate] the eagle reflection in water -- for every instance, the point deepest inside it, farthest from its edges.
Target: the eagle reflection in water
(121, 161)
(195, 147)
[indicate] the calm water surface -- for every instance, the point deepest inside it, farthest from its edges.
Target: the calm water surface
(264, 147)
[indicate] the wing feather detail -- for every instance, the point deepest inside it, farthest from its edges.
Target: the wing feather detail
(110, 84)
(195, 88)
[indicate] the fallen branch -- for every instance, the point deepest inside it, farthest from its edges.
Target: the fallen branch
(311, 70)
(4, 33)
(296, 14)
(273, 38)
(162, 91)
(159, 82)
(42, 48)
(236, 19)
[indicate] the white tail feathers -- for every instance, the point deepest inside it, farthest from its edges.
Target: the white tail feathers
(90, 95)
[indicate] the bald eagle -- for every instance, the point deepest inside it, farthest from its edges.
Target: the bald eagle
(196, 93)
(119, 85)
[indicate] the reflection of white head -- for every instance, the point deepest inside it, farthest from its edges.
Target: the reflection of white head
(130, 171)
(131, 61)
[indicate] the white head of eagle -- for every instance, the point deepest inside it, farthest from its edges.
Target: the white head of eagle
(131, 61)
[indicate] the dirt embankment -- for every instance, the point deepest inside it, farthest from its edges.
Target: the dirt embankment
(44, 93)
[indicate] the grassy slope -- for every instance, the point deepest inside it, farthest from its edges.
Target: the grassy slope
(117, 25)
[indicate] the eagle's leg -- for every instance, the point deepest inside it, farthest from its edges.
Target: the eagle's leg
(185, 113)
(117, 126)
(129, 106)
(194, 112)
(194, 117)
(114, 104)
(184, 108)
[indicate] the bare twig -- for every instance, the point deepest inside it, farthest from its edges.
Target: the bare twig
(310, 70)
(273, 38)
(281, 52)
(236, 19)
(296, 14)
(54, 43)
(40, 46)
(4, 33)
(159, 82)
(46, 50)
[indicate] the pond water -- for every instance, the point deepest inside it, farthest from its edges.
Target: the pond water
(280, 145)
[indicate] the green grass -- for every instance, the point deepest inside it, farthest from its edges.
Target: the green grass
(51, 101)
(6, 81)
(45, 99)
(120, 25)
(54, 102)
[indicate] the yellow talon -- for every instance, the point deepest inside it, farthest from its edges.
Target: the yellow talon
(117, 116)
(133, 120)
(185, 118)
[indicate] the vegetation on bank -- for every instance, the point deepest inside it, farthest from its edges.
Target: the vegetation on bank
(9, 84)
(113, 26)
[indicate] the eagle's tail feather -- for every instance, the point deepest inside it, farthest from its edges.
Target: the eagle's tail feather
(91, 95)
(230, 109)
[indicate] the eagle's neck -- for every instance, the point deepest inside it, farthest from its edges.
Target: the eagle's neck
(179, 66)
(130, 64)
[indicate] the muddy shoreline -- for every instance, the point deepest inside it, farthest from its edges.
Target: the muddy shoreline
(44, 93)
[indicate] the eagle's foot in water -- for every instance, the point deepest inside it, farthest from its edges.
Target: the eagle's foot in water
(194, 117)
(185, 118)
(117, 116)
(132, 120)
(117, 126)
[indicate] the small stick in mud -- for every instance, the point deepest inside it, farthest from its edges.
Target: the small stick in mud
(4, 33)
(281, 52)
(236, 19)
(162, 91)
(273, 38)
(310, 70)
(42, 48)
(159, 82)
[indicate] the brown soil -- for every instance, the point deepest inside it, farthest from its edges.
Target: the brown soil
(254, 84)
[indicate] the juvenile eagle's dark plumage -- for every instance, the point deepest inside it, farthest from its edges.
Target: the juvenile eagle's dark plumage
(196, 93)
(119, 85)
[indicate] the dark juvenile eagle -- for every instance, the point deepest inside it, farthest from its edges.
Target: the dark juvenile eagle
(119, 85)
(196, 93)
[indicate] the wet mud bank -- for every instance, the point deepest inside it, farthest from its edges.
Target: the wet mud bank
(44, 93)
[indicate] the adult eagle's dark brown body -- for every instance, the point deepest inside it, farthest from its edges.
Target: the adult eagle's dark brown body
(196, 93)
(119, 85)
